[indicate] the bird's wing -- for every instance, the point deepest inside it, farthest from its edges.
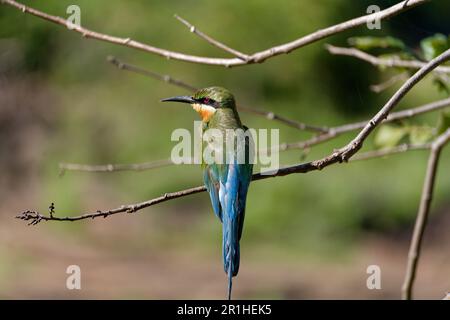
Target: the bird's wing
(245, 172)
(211, 179)
(245, 176)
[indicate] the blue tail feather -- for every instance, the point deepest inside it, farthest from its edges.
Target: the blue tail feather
(230, 250)
(228, 192)
(230, 282)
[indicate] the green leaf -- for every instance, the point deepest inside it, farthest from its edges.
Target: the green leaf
(420, 134)
(434, 46)
(367, 43)
(389, 136)
(443, 122)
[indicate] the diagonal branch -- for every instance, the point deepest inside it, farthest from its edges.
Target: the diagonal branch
(35, 217)
(381, 62)
(179, 83)
(422, 214)
(257, 57)
(377, 88)
(351, 148)
(333, 133)
(326, 133)
(343, 154)
(148, 73)
(212, 41)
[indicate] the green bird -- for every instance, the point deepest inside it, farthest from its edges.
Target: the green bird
(227, 180)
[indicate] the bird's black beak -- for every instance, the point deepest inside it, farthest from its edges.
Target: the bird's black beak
(184, 99)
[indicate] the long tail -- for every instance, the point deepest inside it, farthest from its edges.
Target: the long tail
(230, 249)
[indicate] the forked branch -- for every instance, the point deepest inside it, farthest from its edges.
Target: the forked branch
(35, 217)
(423, 213)
(269, 115)
(382, 62)
(256, 57)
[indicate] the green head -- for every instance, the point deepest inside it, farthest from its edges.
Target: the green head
(207, 101)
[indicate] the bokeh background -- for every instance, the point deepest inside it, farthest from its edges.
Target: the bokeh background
(306, 236)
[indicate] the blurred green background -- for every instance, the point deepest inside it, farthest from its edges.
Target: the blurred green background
(306, 235)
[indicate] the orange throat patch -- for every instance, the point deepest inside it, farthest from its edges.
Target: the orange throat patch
(205, 111)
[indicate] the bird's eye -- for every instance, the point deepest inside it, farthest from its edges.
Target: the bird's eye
(206, 100)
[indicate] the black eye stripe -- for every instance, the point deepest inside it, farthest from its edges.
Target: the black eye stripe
(207, 101)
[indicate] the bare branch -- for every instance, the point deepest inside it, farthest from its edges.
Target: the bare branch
(384, 62)
(333, 133)
(351, 148)
(179, 83)
(114, 167)
(377, 88)
(422, 214)
(257, 57)
(269, 115)
(212, 41)
(343, 154)
(390, 151)
(35, 217)
(161, 77)
(328, 133)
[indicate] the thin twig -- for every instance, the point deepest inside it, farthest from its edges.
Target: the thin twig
(35, 217)
(179, 83)
(269, 115)
(257, 57)
(333, 133)
(162, 77)
(63, 167)
(212, 41)
(351, 148)
(384, 62)
(390, 151)
(377, 88)
(326, 133)
(422, 214)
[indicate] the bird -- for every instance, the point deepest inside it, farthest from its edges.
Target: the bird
(227, 182)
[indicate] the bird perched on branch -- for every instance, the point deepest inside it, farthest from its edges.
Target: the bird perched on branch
(228, 176)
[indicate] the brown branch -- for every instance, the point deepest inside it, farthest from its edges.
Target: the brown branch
(161, 77)
(333, 133)
(390, 151)
(422, 214)
(257, 57)
(63, 167)
(179, 83)
(269, 115)
(377, 88)
(327, 133)
(212, 41)
(351, 148)
(35, 217)
(383, 62)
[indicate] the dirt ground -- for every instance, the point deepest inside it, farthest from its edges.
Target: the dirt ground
(34, 262)
(121, 258)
